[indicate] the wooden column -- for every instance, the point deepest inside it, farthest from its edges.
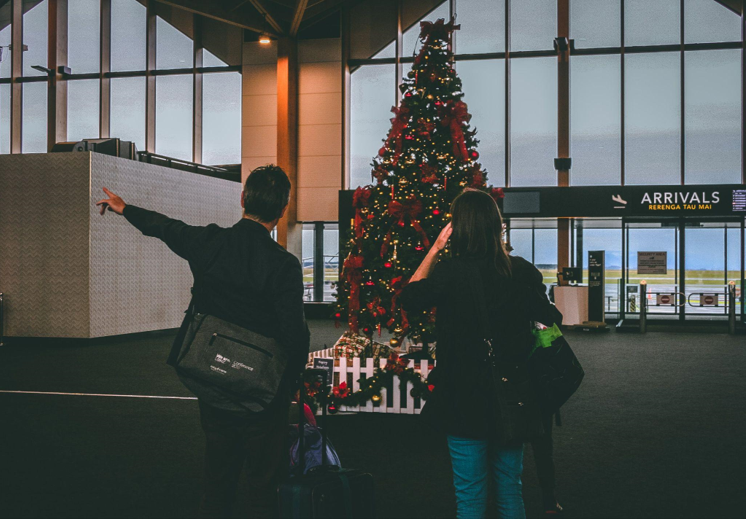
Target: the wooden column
(16, 64)
(57, 57)
(150, 79)
(289, 230)
(345, 133)
(564, 128)
(197, 91)
(105, 63)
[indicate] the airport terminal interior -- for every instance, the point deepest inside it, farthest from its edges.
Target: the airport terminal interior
(610, 132)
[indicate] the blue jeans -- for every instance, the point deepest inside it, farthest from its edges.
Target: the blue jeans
(471, 461)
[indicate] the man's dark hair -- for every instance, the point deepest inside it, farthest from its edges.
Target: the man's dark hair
(266, 193)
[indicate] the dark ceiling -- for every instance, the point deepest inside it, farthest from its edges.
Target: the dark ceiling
(276, 17)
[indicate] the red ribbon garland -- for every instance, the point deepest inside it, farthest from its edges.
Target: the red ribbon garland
(360, 200)
(410, 208)
(453, 115)
(399, 123)
(398, 284)
(352, 274)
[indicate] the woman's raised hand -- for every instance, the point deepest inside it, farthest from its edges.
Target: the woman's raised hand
(443, 237)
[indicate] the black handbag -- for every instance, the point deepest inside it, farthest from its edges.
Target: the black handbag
(225, 365)
(557, 372)
(516, 410)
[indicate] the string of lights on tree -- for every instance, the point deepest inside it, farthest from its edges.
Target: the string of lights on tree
(428, 158)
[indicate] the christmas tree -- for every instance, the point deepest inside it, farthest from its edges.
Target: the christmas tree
(429, 156)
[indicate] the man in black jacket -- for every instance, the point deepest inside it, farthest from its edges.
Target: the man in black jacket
(242, 276)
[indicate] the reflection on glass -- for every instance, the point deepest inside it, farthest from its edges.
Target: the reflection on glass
(221, 118)
(546, 254)
(5, 35)
(533, 24)
(610, 241)
(595, 23)
(411, 35)
(713, 111)
(652, 22)
(35, 37)
(331, 259)
(534, 109)
(173, 48)
(34, 123)
(371, 99)
(705, 268)
(174, 116)
(4, 119)
(128, 110)
(653, 239)
(595, 120)
(128, 35)
(82, 109)
(483, 26)
(734, 256)
(708, 21)
(83, 26)
(483, 84)
(652, 118)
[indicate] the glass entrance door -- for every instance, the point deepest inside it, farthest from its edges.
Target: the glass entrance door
(653, 257)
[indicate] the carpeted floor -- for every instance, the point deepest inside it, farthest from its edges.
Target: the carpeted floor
(656, 430)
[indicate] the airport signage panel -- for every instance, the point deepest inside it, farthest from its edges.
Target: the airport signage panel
(611, 201)
(652, 262)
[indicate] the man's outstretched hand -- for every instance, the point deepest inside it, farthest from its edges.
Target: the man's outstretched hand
(113, 203)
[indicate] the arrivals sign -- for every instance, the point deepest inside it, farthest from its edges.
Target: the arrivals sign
(652, 262)
(611, 201)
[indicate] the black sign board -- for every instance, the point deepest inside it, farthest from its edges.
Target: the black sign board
(612, 201)
(329, 366)
(596, 285)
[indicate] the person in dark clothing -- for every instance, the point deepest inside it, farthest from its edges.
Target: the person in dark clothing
(242, 276)
(461, 404)
(542, 449)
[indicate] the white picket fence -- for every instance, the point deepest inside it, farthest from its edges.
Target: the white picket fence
(397, 399)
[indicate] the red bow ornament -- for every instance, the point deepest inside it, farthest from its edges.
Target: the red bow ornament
(453, 115)
(399, 123)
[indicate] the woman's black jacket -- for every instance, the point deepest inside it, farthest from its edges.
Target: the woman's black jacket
(461, 404)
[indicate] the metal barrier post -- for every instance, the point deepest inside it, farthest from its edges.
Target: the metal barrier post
(643, 306)
(732, 308)
(2, 320)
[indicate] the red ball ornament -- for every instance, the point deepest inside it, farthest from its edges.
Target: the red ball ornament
(474, 154)
(401, 224)
(338, 315)
(438, 103)
(409, 137)
(436, 212)
(388, 264)
(382, 151)
(408, 94)
(418, 247)
(370, 283)
(332, 408)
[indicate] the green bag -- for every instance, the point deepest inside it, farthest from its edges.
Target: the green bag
(545, 337)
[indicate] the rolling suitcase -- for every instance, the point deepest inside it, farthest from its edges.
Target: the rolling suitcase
(326, 491)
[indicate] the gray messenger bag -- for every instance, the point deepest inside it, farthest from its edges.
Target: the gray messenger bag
(225, 365)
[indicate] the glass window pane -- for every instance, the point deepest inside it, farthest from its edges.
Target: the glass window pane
(4, 119)
(595, 23)
(371, 99)
(374, 25)
(595, 120)
(652, 22)
(128, 110)
(734, 255)
(521, 242)
(483, 84)
(411, 35)
(128, 35)
(211, 60)
(331, 259)
(534, 113)
(708, 21)
(307, 261)
(713, 110)
(533, 24)
(546, 254)
(34, 118)
(83, 28)
(5, 30)
(35, 27)
(652, 118)
(483, 26)
(82, 109)
(174, 116)
(173, 48)
(221, 118)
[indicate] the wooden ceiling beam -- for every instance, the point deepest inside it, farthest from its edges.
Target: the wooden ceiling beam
(298, 13)
(271, 19)
(246, 19)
